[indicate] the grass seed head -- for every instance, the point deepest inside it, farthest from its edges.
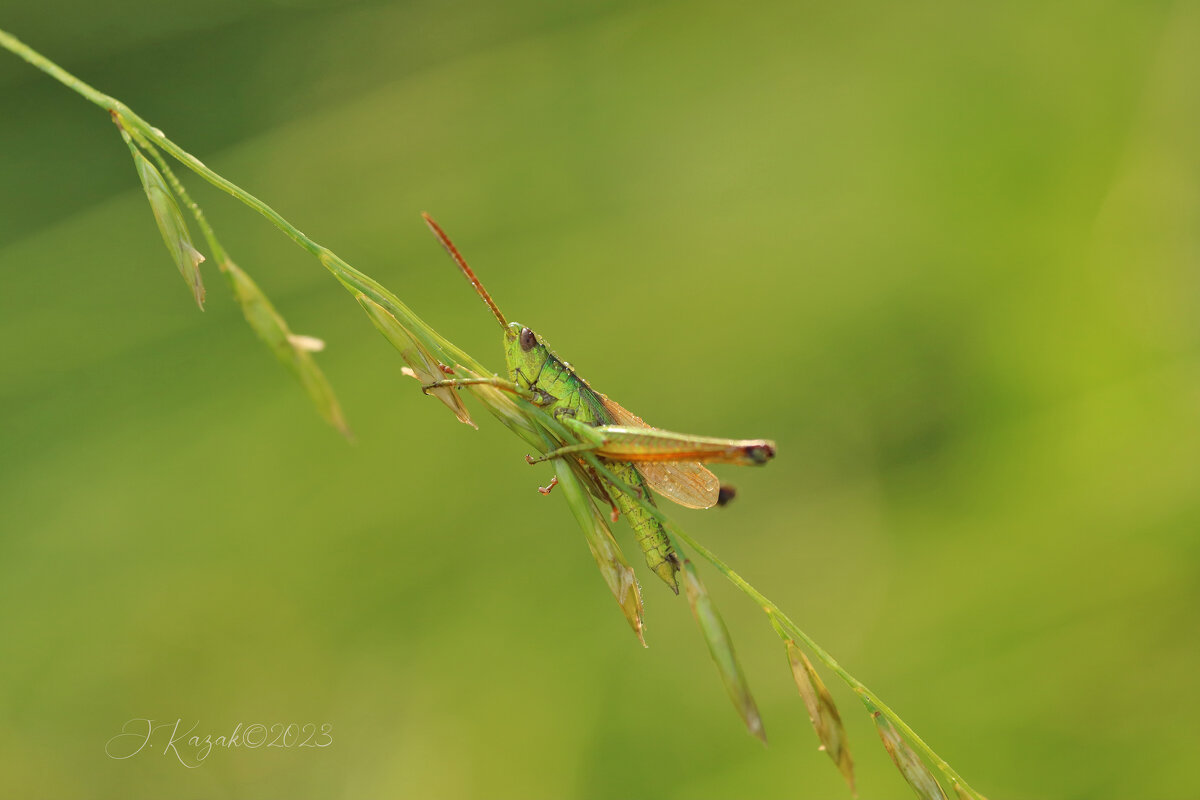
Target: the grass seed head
(822, 712)
(294, 352)
(421, 364)
(907, 761)
(617, 572)
(171, 225)
(721, 648)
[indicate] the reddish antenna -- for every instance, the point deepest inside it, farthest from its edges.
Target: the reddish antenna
(462, 264)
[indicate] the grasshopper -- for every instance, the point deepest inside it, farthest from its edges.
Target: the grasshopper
(639, 455)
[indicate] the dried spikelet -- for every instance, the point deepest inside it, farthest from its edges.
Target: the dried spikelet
(295, 352)
(171, 224)
(721, 649)
(616, 570)
(907, 761)
(309, 344)
(822, 712)
(502, 406)
(421, 364)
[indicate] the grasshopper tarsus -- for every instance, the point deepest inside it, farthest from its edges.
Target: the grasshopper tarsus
(550, 488)
(543, 398)
(673, 560)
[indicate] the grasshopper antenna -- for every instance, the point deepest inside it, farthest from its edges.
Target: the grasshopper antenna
(462, 264)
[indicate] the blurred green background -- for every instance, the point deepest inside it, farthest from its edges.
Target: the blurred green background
(946, 255)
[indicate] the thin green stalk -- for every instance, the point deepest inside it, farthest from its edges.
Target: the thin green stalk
(16, 46)
(114, 106)
(351, 278)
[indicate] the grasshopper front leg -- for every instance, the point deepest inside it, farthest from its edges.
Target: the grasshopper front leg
(535, 396)
(499, 383)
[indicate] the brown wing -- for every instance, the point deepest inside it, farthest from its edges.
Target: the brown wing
(687, 483)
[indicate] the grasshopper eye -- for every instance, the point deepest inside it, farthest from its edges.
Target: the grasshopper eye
(528, 340)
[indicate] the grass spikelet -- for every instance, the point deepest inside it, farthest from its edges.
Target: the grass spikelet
(907, 761)
(822, 712)
(294, 352)
(617, 572)
(421, 364)
(170, 223)
(721, 649)
(502, 406)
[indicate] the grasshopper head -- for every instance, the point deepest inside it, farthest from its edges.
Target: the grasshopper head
(524, 353)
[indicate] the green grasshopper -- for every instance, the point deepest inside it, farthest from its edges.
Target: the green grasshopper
(639, 455)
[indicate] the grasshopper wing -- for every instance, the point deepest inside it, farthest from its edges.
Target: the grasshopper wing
(687, 483)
